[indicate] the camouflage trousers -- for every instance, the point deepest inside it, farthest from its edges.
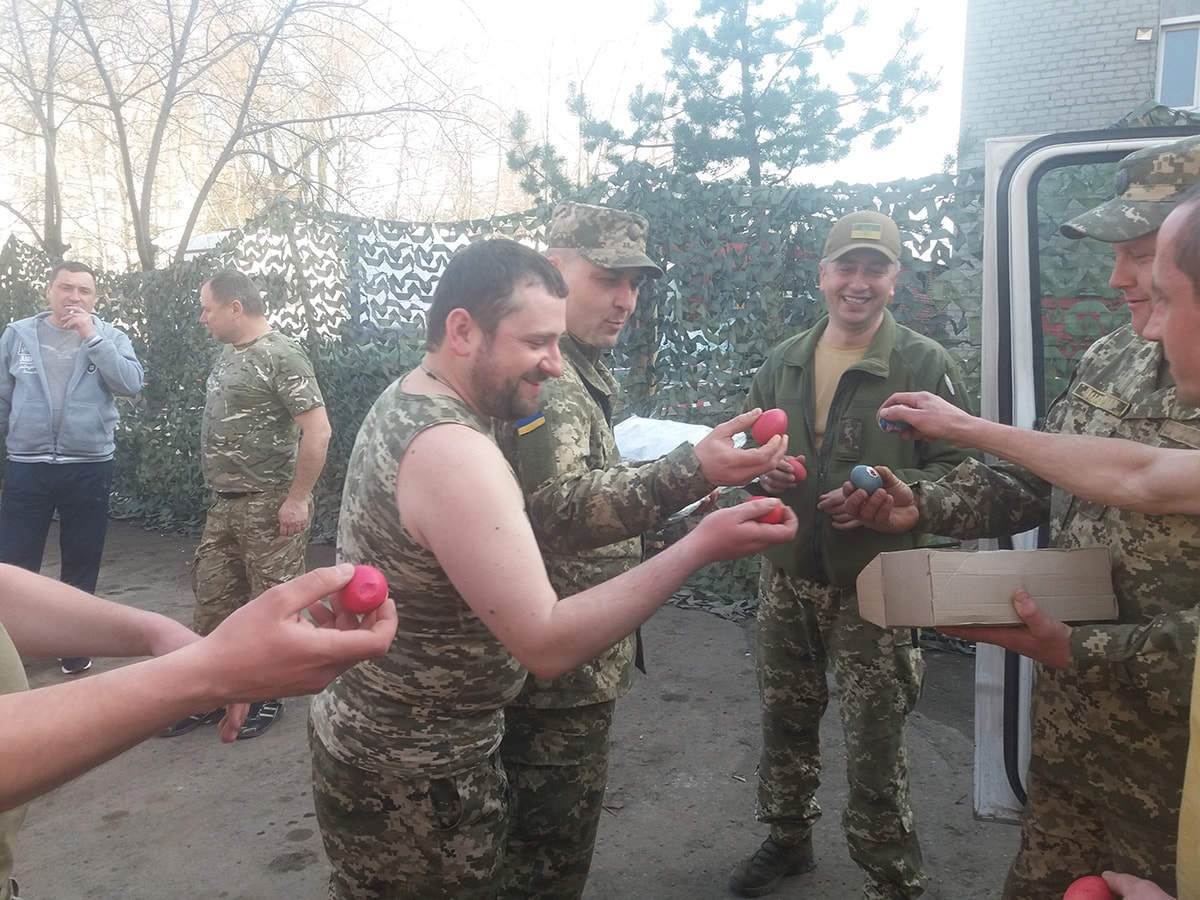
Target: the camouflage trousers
(1104, 785)
(410, 838)
(241, 554)
(1069, 837)
(803, 628)
(557, 766)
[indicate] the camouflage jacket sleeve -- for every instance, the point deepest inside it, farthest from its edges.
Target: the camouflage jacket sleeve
(579, 494)
(978, 500)
(597, 507)
(1155, 657)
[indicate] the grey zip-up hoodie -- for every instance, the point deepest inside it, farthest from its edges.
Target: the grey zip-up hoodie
(105, 368)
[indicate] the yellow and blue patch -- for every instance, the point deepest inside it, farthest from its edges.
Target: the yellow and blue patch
(531, 423)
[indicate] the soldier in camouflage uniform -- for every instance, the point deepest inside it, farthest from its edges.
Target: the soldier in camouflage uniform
(1110, 711)
(263, 440)
(408, 784)
(588, 510)
(830, 381)
(1176, 322)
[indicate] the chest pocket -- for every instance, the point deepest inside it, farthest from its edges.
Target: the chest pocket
(848, 439)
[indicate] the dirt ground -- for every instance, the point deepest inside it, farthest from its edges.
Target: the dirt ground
(191, 817)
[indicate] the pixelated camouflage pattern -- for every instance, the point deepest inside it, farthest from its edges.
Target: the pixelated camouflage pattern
(808, 610)
(248, 434)
(1111, 733)
(241, 554)
(433, 706)
(410, 837)
(1067, 833)
(1149, 184)
(611, 238)
(12, 680)
(557, 766)
(805, 628)
(587, 506)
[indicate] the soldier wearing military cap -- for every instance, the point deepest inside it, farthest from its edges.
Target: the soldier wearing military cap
(1110, 730)
(830, 380)
(588, 509)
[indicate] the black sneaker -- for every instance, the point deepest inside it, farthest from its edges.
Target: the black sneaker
(192, 722)
(14, 889)
(261, 717)
(73, 665)
(761, 873)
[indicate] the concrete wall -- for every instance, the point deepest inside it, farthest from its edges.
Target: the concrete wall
(1034, 66)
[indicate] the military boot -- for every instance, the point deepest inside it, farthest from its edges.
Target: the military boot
(761, 873)
(877, 890)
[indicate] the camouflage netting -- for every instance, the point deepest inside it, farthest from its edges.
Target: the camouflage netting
(741, 273)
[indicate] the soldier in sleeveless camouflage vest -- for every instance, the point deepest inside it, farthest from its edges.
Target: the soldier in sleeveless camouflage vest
(410, 791)
(1110, 719)
(588, 508)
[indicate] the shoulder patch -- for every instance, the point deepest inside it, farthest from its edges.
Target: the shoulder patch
(537, 460)
(1103, 400)
(531, 423)
(1188, 435)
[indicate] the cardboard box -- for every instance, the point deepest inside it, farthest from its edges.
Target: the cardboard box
(919, 588)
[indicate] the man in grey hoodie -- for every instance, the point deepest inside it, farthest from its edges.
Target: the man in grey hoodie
(60, 374)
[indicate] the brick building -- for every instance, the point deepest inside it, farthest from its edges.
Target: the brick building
(1036, 66)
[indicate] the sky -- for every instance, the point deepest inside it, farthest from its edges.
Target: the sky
(528, 60)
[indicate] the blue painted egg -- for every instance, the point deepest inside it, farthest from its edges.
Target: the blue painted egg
(865, 478)
(893, 427)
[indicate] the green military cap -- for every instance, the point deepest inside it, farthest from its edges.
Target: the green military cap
(611, 238)
(863, 230)
(1150, 182)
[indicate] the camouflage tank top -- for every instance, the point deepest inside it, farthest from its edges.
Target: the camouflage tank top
(434, 705)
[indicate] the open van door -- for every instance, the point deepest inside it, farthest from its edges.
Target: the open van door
(1045, 299)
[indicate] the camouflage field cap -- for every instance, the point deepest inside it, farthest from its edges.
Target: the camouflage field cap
(1150, 182)
(611, 238)
(863, 230)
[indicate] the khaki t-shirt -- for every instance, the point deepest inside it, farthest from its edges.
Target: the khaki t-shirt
(829, 364)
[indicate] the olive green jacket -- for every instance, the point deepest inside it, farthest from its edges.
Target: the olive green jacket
(898, 359)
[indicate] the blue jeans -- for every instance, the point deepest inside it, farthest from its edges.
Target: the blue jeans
(79, 493)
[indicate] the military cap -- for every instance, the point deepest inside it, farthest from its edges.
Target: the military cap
(1150, 182)
(863, 230)
(611, 238)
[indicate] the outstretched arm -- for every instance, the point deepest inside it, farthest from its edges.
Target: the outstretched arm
(581, 507)
(1115, 472)
(46, 618)
(476, 526)
(267, 648)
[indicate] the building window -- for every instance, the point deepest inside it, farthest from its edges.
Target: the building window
(1178, 71)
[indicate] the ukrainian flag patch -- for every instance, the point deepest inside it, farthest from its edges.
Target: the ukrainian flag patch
(866, 232)
(532, 423)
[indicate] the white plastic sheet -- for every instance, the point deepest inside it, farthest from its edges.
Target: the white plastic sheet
(642, 439)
